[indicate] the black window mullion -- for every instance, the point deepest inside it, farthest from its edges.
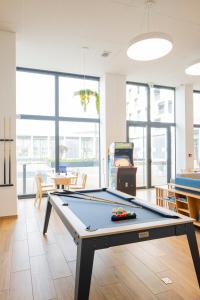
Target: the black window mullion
(148, 137)
(74, 119)
(54, 73)
(56, 123)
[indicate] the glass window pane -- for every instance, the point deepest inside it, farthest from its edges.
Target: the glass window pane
(158, 156)
(197, 148)
(35, 94)
(162, 105)
(137, 135)
(35, 153)
(79, 150)
(71, 105)
(196, 107)
(173, 153)
(136, 102)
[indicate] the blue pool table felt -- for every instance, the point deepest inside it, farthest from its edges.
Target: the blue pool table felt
(98, 215)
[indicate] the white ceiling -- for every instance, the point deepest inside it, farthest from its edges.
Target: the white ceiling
(51, 33)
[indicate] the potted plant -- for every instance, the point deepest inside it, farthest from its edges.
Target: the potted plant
(86, 95)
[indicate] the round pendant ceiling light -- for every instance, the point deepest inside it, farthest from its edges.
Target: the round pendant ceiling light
(149, 46)
(193, 69)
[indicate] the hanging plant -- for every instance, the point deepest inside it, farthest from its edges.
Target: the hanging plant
(85, 96)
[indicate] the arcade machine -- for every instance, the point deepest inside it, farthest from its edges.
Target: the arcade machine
(122, 173)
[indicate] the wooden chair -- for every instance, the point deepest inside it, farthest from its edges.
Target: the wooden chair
(42, 188)
(79, 186)
(74, 180)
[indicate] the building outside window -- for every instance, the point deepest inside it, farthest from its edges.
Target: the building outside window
(72, 149)
(54, 131)
(170, 107)
(161, 108)
(40, 147)
(160, 98)
(196, 118)
(136, 103)
(138, 136)
(23, 147)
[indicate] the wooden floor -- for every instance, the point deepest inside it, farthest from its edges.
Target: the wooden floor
(34, 267)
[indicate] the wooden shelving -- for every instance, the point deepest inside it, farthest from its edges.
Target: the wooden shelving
(182, 201)
(184, 210)
(187, 203)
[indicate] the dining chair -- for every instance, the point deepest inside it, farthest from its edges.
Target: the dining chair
(75, 179)
(42, 188)
(79, 186)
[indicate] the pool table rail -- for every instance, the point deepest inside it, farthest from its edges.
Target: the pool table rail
(76, 227)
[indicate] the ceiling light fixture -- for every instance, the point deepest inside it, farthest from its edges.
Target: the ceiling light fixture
(150, 45)
(193, 69)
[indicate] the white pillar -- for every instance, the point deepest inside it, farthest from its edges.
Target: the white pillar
(184, 128)
(113, 116)
(8, 196)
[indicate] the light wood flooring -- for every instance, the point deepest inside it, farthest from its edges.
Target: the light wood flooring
(34, 267)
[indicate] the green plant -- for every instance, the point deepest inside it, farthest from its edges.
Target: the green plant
(85, 96)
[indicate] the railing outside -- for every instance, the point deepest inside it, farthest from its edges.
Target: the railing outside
(26, 175)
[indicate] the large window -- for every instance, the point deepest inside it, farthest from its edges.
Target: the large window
(196, 117)
(70, 105)
(136, 102)
(35, 94)
(162, 105)
(151, 123)
(54, 131)
(138, 136)
(159, 154)
(79, 148)
(35, 152)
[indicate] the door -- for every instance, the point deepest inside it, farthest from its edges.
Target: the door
(159, 156)
(154, 154)
(138, 135)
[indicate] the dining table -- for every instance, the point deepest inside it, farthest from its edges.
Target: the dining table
(62, 180)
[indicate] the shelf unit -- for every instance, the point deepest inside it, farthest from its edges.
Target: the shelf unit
(186, 202)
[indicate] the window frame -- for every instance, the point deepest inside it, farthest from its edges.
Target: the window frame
(153, 124)
(56, 117)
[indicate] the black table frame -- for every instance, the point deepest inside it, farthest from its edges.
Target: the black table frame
(86, 246)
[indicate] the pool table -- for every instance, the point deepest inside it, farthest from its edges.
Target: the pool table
(89, 223)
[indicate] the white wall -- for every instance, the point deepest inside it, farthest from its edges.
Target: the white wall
(184, 128)
(113, 116)
(8, 197)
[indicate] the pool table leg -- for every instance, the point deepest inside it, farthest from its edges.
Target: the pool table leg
(84, 265)
(192, 241)
(47, 216)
